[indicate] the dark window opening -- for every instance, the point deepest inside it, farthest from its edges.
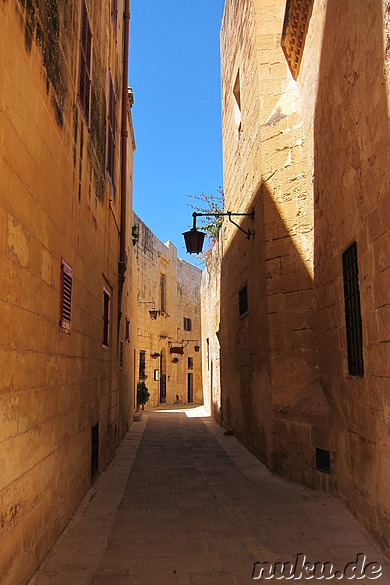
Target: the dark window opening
(322, 460)
(190, 363)
(114, 14)
(353, 317)
(85, 62)
(142, 365)
(127, 333)
(65, 296)
(243, 300)
(237, 104)
(162, 293)
(95, 450)
(187, 324)
(111, 131)
(121, 354)
(106, 320)
(208, 353)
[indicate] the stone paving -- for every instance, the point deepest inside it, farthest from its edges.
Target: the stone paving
(183, 504)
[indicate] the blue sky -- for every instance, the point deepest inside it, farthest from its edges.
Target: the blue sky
(174, 70)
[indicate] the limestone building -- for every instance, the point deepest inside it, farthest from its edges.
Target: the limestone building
(303, 324)
(67, 278)
(168, 346)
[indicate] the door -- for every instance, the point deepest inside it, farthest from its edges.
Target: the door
(190, 392)
(163, 377)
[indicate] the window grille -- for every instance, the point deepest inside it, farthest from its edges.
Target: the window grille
(121, 352)
(111, 131)
(295, 27)
(106, 317)
(353, 317)
(127, 333)
(85, 62)
(66, 296)
(243, 300)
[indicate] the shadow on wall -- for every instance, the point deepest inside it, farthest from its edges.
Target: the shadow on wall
(270, 392)
(352, 161)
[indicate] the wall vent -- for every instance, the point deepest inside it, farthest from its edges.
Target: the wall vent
(323, 460)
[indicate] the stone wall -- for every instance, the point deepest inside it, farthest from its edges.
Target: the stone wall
(156, 337)
(344, 90)
(311, 157)
(211, 310)
(56, 204)
(270, 391)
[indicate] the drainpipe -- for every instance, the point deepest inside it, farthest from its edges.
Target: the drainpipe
(124, 136)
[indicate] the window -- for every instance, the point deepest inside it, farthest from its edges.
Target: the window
(208, 353)
(353, 317)
(187, 324)
(243, 300)
(94, 450)
(127, 333)
(156, 375)
(162, 293)
(237, 104)
(142, 365)
(114, 14)
(111, 130)
(190, 363)
(121, 355)
(65, 296)
(106, 316)
(85, 62)
(196, 292)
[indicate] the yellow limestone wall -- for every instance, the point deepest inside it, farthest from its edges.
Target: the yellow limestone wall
(182, 300)
(311, 156)
(56, 203)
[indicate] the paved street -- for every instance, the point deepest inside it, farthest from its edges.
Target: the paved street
(183, 504)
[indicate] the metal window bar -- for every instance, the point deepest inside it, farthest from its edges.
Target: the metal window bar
(353, 317)
(66, 296)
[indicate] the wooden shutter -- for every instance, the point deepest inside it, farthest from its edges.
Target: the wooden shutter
(66, 296)
(85, 62)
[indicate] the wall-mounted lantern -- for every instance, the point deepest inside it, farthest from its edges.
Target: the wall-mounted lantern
(153, 311)
(187, 341)
(194, 238)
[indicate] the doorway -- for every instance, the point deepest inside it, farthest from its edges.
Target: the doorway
(163, 376)
(190, 391)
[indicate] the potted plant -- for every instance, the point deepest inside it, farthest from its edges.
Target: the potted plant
(143, 394)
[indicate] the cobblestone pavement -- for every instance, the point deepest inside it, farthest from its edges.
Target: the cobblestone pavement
(183, 504)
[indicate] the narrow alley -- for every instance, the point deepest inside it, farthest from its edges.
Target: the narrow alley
(184, 504)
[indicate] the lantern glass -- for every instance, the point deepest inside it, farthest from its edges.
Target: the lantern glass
(194, 241)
